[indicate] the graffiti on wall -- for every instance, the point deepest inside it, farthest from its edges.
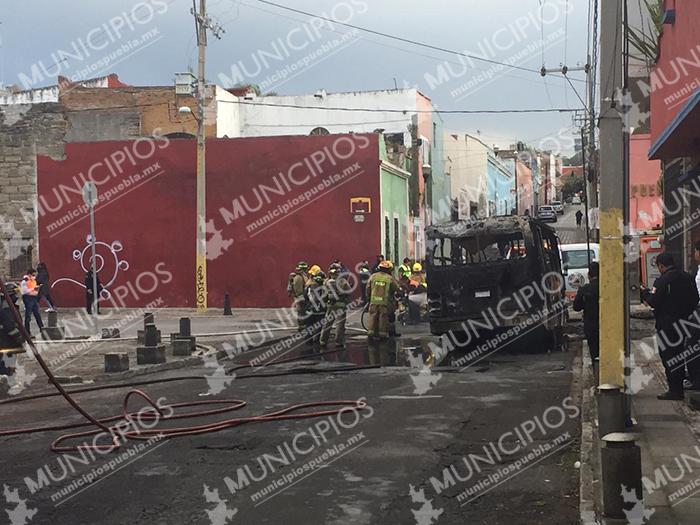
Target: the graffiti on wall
(107, 259)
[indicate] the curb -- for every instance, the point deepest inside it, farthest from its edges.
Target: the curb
(587, 478)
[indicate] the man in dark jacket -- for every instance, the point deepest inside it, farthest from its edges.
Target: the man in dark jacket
(42, 278)
(674, 297)
(587, 299)
(89, 294)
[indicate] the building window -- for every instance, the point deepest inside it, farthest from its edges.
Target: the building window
(20, 256)
(387, 238)
(396, 239)
(320, 131)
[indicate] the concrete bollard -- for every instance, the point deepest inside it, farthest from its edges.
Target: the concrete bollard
(116, 362)
(185, 326)
(611, 410)
(227, 304)
(183, 342)
(111, 333)
(182, 347)
(621, 465)
(152, 352)
(52, 331)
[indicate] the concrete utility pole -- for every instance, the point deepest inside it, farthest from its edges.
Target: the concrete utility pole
(591, 180)
(202, 24)
(201, 261)
(612, 266)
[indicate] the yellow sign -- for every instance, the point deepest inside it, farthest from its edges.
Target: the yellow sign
(360, 205)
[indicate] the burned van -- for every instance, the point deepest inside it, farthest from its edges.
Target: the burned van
(496, 277)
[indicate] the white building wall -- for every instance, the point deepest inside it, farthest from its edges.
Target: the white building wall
(261, 120)
(227, 114)
(466, 161)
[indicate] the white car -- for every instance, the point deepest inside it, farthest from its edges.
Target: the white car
(558, 207)
(576, 200)
(574, 262)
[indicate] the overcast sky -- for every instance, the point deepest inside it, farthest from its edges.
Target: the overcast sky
(501, 30)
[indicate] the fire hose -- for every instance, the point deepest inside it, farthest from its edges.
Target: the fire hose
(156, 412)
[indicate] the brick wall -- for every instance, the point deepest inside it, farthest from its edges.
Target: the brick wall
(25, 132)
(137, 111)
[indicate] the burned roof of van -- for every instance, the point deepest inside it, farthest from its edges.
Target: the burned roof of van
(463, 229)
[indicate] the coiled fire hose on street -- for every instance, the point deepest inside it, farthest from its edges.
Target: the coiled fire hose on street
(157, 413)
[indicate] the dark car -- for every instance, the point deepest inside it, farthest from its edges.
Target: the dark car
(547, 213)
(479, 271)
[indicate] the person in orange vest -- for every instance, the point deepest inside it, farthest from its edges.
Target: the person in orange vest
(30, 298)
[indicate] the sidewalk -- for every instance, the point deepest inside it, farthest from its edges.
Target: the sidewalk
(670, 443)
(668, 436)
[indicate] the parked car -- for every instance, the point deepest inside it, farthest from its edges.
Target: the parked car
(558, 207)
(576, 200)
(478, 268)
(546, 214)
(574, 261)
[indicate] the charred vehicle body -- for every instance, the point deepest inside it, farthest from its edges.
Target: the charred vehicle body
(497, 279)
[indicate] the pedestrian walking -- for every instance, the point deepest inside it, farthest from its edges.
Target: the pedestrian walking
(42, 278)
(90, 292)
(587, 300)
(30, 298)
(579, 217)
(673, 298)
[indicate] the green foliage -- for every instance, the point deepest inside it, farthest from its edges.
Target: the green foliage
(646, 41)
(572, 185)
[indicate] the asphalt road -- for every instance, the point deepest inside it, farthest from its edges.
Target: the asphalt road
(494, 443)
(566, 225)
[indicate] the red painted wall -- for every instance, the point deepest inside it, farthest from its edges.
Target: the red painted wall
(304, 182)
(676, 74)
(646, 204)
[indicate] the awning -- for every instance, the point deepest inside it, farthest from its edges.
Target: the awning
(681, 138)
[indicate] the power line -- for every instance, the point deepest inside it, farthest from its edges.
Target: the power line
(399, 38)
(403, 50)
(404, 111)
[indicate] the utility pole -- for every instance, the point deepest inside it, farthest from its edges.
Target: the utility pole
(612, 266)
(591, 176)
(202, 23)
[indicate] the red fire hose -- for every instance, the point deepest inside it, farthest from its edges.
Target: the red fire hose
(156, 413)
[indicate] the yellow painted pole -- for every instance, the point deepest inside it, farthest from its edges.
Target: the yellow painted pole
(612, 194)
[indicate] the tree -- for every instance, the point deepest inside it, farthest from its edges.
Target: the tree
(646, 40)
(572, 185)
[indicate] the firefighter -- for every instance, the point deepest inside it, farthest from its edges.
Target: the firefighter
(381, 289)
(337, 298)
(418, 277)
(296, 288)
(405, 269)
(315, 300)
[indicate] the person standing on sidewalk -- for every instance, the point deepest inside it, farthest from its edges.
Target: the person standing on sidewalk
(30, 298)
(90, 293)
(587, 299)
(579, 217)
(693, 347)
(674, 297)
(42, 278)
